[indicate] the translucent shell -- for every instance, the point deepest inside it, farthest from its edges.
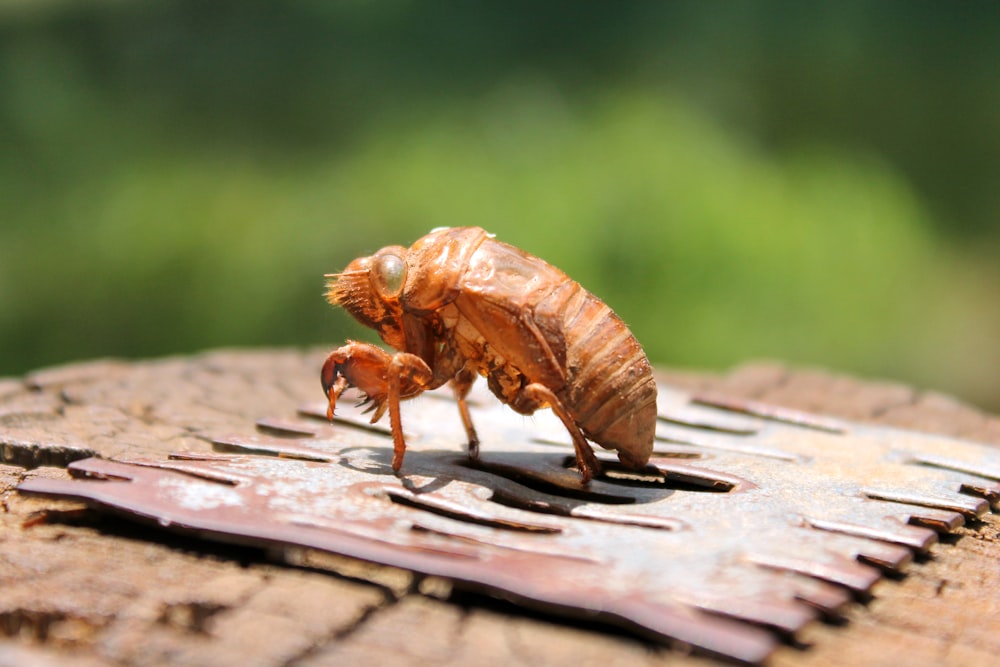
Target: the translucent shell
(388, 275)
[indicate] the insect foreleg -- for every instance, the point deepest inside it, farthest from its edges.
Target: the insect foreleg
(384, 378)
(337, 388)
(534, 396)
(408, 376)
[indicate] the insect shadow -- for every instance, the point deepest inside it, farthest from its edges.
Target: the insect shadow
(549, 476)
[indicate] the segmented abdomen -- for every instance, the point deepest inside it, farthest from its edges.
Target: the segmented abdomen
(610, 389)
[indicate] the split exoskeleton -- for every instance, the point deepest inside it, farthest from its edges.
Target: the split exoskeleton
(459, 304)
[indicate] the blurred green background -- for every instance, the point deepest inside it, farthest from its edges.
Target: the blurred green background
(811, 182)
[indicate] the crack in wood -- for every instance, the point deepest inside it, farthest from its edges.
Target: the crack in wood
(984, 533)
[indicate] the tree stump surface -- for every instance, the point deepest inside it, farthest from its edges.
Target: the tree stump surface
(86, 589)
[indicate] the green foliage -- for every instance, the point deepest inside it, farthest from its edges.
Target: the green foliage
(712, 251)
(147, 211)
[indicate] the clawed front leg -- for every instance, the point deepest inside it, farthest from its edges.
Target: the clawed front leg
(384, 378)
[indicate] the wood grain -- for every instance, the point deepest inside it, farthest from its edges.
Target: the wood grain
(91, 590)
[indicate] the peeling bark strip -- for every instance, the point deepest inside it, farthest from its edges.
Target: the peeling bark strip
(156, 604)
(28, 453)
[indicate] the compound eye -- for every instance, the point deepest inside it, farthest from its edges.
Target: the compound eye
(388, 274)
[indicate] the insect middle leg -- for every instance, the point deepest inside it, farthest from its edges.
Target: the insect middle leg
(535, 396)
(461, 384)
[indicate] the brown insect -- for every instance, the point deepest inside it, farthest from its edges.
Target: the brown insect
(458, 304)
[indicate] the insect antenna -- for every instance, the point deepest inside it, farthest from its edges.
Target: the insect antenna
(355, 272)
(337, 291)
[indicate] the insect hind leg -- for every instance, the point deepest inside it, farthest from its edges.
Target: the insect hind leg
(533, 396)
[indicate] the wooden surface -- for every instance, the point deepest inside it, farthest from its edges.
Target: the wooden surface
(90, 590)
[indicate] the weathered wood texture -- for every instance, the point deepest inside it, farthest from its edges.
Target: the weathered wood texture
(89, 590)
